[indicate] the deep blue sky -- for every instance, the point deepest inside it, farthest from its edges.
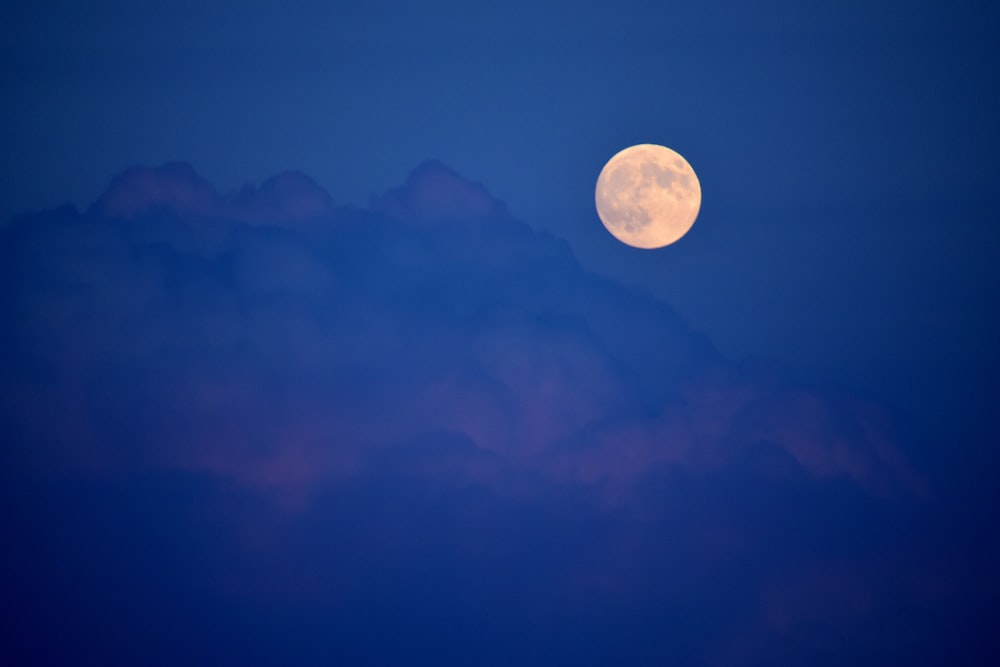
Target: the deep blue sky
(843, 279)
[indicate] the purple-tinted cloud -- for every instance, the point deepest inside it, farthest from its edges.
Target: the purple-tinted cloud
(433, 193)
(387, 413)
(287, 198)
(284, 357)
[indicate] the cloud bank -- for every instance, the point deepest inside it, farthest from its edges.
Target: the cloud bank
(421, 415)
(276, 339)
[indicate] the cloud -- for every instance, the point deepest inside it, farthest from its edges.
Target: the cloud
(434, 193)
(281, 355)
(287, 198)
(174, 186)
(367, 416)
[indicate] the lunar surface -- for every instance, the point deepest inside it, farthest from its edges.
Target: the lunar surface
(648, 196)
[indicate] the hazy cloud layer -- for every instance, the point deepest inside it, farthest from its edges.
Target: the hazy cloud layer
(283, 356)
(422, 415)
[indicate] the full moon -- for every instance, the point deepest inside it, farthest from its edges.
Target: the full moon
(648, 196)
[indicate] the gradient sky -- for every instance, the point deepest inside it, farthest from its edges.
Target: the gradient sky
(330, 360)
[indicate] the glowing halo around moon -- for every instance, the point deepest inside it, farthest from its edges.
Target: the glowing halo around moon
(648, 196)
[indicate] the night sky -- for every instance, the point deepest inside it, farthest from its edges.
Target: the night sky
(314, 351)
